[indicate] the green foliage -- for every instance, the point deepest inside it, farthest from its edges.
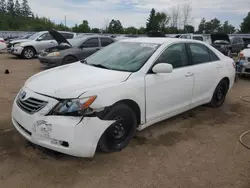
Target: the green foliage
(130, 30)
(84, 27)
(115, 26)
(245, 25)
(25, 9)
(215, 26)
(2, 6)
(95, 30)
(189, 29)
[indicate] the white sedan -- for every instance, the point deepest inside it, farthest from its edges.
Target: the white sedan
(127, 86)
(2, 44)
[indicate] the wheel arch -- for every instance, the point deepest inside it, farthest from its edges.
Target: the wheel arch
(69, 55)
(134, 106)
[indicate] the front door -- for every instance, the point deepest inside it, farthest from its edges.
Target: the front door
(169, 93)
(89, 47)
(45, 41)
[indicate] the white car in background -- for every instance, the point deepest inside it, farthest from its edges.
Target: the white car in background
(36, 43)
(2, 44)
(192, 37)
(127, 86)
(244, 60)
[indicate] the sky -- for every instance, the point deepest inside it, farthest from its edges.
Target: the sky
(135, 12)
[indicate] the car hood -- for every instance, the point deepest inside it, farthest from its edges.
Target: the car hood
(70, 81)
(19, 41)
(58, 37)
(219, 36)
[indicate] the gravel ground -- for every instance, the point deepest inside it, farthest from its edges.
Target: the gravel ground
(199, 148)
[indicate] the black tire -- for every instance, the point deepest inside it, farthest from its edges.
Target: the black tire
(118, 135)
(28, 53)
(219, 95)
(68, 60)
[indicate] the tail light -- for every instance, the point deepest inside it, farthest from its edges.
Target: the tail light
(241, 56)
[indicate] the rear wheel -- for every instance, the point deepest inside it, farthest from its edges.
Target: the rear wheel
(68, 60)
(121, 132)
(219, 95)
(28, 53)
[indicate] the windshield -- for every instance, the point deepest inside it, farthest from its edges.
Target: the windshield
(123, 56)
(76, 42)
(34, 36)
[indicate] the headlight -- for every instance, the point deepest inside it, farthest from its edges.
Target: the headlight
(53, 54)
(17, 44)
(73, 107)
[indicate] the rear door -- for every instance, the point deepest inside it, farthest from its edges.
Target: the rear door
(89, 47)
(206, 67)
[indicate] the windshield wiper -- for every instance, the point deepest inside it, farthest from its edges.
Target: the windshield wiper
(84, 61)
(99, 66)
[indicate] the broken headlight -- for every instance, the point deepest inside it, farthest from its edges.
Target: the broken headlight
(73, 107)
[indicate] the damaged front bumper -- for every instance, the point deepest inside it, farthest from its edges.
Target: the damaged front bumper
(74, 136)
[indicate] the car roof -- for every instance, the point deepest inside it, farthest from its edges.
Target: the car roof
(160, 40)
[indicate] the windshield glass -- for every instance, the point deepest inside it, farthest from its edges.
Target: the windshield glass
(34, 36)
(123, 56)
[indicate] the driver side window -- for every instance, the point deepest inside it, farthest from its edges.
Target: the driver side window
(46, 36)
(176, 55)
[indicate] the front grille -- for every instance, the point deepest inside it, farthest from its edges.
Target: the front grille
(247, 70)
(31, 105)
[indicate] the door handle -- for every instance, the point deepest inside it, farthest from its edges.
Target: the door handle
(189, 74)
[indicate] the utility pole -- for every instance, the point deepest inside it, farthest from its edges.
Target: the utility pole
(65, 22)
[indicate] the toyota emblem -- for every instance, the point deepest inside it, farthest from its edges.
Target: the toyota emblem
(22, 95)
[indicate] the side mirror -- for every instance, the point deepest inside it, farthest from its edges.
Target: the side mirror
(39, 39)
(162, 68)
(248, 46)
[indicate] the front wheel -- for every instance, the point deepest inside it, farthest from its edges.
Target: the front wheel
(28, 53)
(219, 95)
(68, 60)
(118, 135)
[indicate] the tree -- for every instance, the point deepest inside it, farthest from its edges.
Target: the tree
(75, 28)
(115, 26)
(162, 20)
(17, 8)
(202, 26)
(245, 25)
(175, 17)
(130, 30)
(10, 7)
(186, 11)
(25, 9)
(84, 27)
(142, 30)
(152, 24)
(3, 6)
(95, 30)
(227, 28)
(189, 28)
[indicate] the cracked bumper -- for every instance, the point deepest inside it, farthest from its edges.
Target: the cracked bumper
(82, 136)
(17, 50)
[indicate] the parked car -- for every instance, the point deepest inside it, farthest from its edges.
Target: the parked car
(244, 62)
(18, 38)
(127, 86)
(224, 44)
(77, 49)
(192, 36)
(31, 47)
(2, 44)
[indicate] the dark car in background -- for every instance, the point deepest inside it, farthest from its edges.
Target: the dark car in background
(73, 50)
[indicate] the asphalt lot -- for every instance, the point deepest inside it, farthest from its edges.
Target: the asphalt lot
(199, 148)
